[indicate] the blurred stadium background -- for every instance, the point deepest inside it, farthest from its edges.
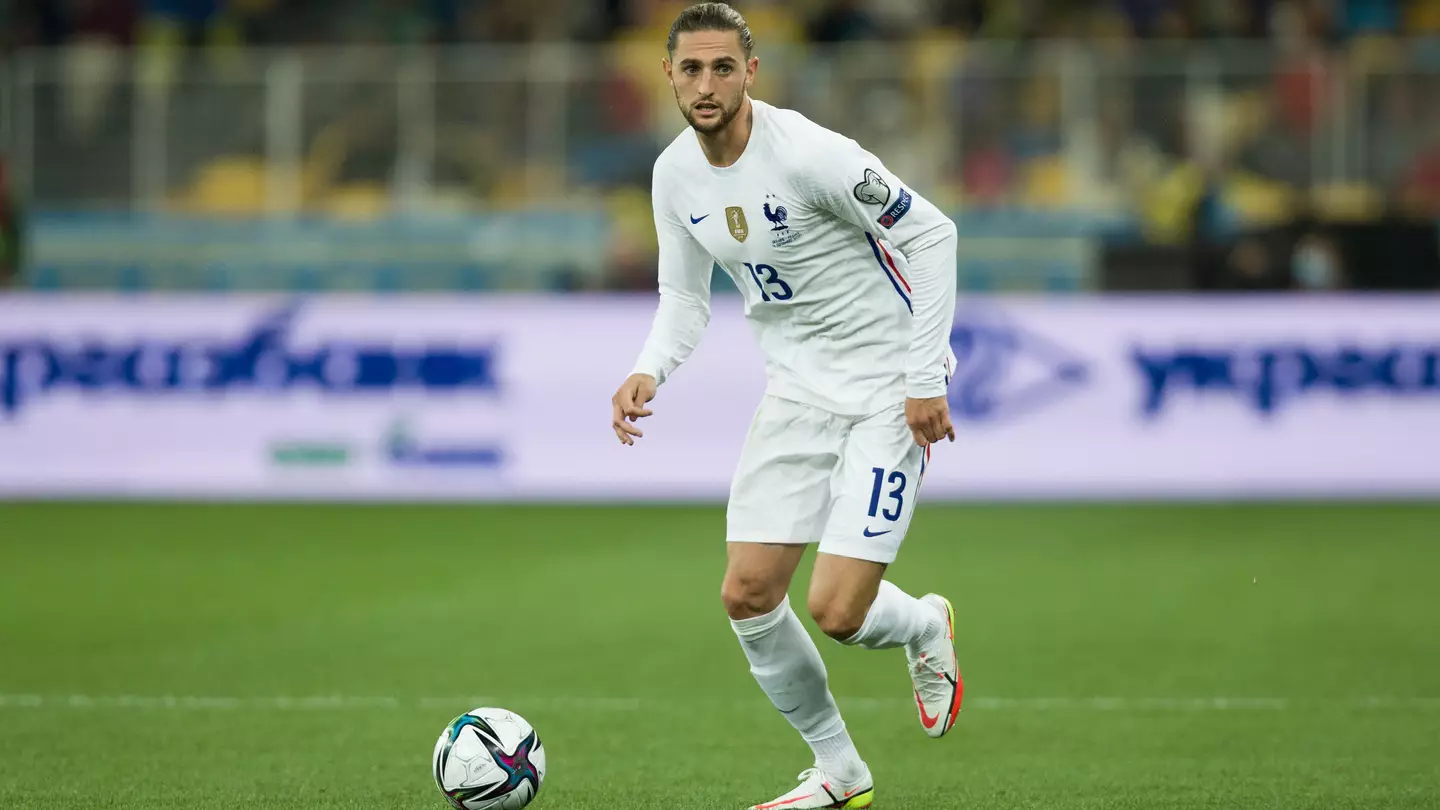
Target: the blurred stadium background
(1078, 144)
(402, 250)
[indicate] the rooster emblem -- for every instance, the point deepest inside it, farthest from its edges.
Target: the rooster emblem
(777, 216)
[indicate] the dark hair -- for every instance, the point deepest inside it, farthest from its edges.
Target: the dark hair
(710, 17)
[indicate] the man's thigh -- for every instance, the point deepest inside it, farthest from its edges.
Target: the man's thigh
(781, 492)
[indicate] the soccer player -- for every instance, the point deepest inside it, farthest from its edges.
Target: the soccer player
(848, 278)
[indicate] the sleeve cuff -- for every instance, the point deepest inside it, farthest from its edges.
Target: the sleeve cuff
(650, 372)
(927, 387)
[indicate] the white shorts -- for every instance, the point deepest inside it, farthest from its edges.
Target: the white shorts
(810, 476)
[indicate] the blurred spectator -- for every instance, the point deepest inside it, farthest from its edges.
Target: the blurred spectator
(1422, 17)
(1357, 17)
(987, 169)
(359, 148)
(186, 21)
(170, 29)
(630, 254)
(1144, 16)
(12, 28)
(1016, 19)
(606, 20)
(98, 31)
(1397, 135)
(1316, 264)
(619, 146)
(900, 18)
(1250, 265)
(1173, 23)
(109, 21)
(1419, 191)
(402, 22)
(11, 241)
(965, 16)
(498, 22)
(842, 21)
(1301, 80)
(1233, 19)
(1036, 133)
(46, 22)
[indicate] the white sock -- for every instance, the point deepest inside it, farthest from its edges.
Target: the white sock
(897, 619)
(787, 665)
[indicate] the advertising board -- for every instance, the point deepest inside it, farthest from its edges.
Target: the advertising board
(507, 398)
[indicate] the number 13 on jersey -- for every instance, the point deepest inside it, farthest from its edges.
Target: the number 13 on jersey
(768, 280)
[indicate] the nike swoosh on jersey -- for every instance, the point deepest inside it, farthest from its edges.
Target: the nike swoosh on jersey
(694, 221)
(869, 533)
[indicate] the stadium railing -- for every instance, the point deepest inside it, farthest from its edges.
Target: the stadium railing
(500, 168)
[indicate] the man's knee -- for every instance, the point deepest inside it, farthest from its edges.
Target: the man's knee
(747, 596)
(838, 617)
(757, 576)
(841, 593)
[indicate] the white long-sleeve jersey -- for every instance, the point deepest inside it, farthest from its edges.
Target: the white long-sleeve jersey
(848, 275)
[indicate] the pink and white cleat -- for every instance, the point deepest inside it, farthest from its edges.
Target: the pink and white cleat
(817, 790)
(935, 674)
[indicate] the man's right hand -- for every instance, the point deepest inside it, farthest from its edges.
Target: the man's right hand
(628, 404)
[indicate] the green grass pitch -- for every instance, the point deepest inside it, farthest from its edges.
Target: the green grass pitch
(1120, 656)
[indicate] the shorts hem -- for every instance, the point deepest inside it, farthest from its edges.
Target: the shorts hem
(767, 540)
(854, 552)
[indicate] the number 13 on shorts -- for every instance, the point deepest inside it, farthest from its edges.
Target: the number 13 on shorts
(877, 492)
(897, 493)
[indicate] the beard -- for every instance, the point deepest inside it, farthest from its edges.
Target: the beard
(726, 115)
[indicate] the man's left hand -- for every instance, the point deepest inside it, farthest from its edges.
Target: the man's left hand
(929, 420)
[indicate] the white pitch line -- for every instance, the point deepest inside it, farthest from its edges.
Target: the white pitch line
(635, 704)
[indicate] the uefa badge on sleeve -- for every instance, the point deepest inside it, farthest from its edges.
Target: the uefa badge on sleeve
(872, 190)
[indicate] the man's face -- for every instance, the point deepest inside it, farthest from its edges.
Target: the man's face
(710, 74)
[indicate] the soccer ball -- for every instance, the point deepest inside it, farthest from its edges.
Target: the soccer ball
(489, 758)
